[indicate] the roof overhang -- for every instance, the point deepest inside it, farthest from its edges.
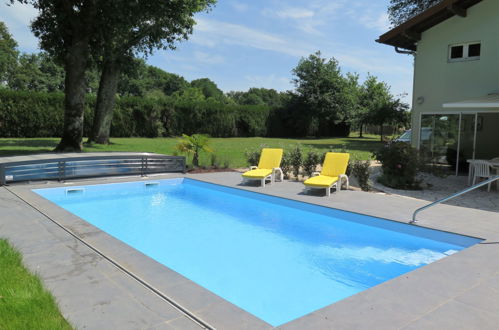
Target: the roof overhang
(409, 33)
(488, 101)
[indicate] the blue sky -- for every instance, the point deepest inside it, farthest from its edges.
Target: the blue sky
(241, 44)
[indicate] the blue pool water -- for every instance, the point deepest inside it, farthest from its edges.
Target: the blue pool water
(275, 258)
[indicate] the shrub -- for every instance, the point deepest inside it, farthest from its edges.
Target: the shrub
(400, 164)
(253, 155)
(296, 160)
(312, 160)
(214, 161)
(360, 169)
(286, 164)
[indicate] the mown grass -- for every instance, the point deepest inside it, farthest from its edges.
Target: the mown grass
(24, 303)
(227, 150)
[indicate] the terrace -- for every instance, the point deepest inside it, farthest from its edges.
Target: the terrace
(92, 273)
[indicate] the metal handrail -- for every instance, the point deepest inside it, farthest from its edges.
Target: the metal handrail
(478, 185)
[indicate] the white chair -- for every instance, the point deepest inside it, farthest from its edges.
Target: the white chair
(481, 169)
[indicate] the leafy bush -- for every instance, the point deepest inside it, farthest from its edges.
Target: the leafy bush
(360, 169)
(286, 164)
(296, 160)
(400, 164)
(253, 155)
(312, 160)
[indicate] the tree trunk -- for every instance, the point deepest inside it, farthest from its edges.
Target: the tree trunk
(361, 129)
(381, 132)
(195, 159)
(74, 96)
(104, 106)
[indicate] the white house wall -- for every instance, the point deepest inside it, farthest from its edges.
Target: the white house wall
(438, 81)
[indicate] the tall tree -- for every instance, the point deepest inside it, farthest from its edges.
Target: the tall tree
(373, 94)
(8, 54)
(65, 29)
(391, 111)
(400, 11)
(322, 89)
(136, 27)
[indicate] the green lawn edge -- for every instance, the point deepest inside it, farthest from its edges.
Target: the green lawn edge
(226, 150)
(24, 302)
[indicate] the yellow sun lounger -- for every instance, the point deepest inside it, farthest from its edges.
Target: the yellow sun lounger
(268, 168)
(332, 174)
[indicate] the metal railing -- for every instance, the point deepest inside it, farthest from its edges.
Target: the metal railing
(89, 166)
(478, 185)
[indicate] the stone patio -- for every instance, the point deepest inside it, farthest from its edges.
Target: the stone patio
(100, 282)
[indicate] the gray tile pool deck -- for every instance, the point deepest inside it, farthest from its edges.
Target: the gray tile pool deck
(100, 282)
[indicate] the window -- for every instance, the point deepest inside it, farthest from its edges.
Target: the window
(474, 50)
(465, 52)
(456, 52)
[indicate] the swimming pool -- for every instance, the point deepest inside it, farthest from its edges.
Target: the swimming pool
(275, 258)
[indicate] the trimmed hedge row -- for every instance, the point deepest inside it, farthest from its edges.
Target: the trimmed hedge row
(29, 114)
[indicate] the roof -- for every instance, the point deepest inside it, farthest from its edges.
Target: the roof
(487, 101)
(407, 34)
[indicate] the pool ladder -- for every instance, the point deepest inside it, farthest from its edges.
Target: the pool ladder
(462, 192)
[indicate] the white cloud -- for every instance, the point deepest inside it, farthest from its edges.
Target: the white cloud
(377, 21)
(212, 32)
(239, 6)
(208, 58)
(293, 13)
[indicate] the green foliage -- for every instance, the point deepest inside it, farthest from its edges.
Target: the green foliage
(325, 94)
(141, 79)
(286, 165)
(360, 169)
(258, 96)
(8, 53)
(24, 303)
(400, 164)
(194, 144)
(252, 120)
(252, 156)
(400, 11)
(29, 114)
(208, 88)
(37, 72)
(312, 160)
(296, 160)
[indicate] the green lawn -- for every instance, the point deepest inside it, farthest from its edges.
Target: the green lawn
(24, 303)
(229, 150)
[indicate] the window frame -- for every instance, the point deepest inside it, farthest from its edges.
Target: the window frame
(466, 49)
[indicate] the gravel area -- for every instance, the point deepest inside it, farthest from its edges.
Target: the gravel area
(439, 187)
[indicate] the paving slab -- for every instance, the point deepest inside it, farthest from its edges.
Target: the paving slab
(91, 292)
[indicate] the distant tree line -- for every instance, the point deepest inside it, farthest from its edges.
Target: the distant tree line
(151, 102)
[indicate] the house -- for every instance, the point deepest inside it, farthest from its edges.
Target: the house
(455, 106)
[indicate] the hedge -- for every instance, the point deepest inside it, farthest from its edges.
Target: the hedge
(30, 114)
